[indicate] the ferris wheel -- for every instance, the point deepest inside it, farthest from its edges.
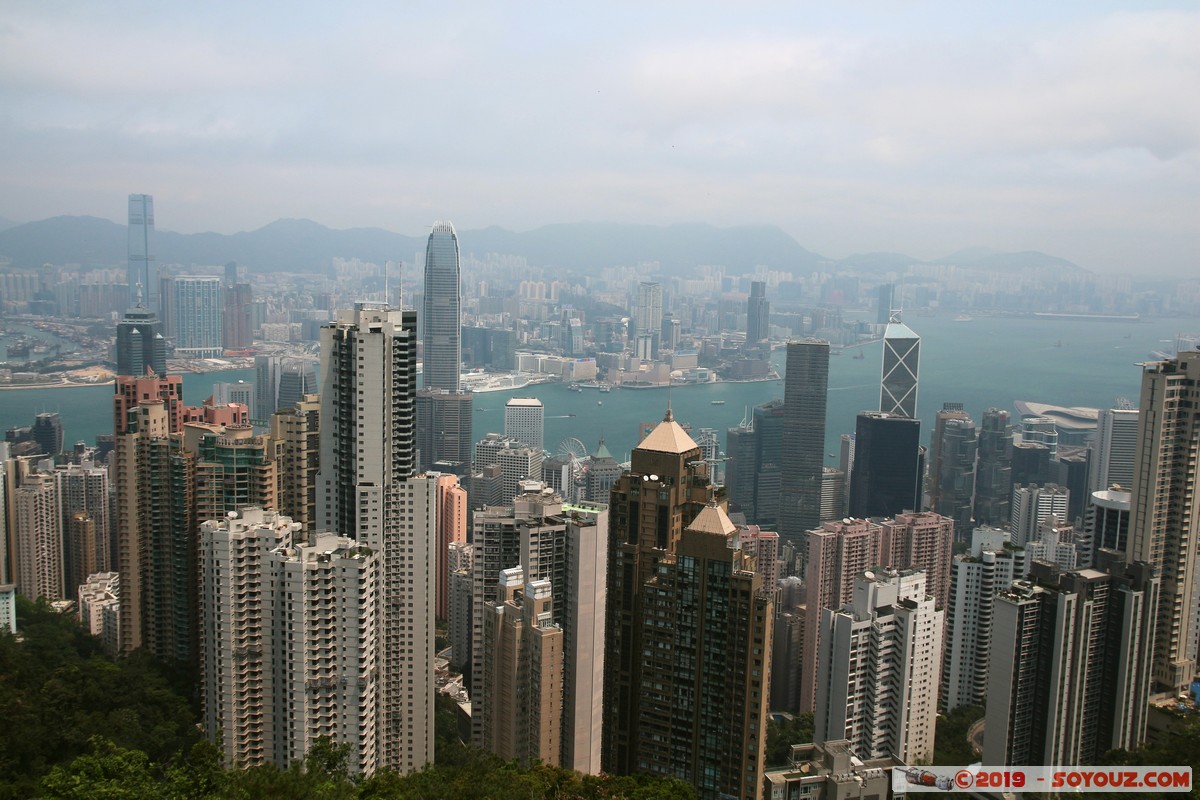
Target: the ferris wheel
(572, 448)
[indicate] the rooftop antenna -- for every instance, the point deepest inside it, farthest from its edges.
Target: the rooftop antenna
(387, 295)
(669, 416)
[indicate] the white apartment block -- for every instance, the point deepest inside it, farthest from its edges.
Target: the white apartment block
(880, 664)
(1031, 506)
(975, 579)
(99, 609)
(287, 640)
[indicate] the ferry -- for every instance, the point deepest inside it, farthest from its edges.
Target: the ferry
(718, 402)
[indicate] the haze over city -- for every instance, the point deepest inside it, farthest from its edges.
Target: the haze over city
(921, 128)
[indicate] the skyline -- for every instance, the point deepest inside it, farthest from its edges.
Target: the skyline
(922, 130)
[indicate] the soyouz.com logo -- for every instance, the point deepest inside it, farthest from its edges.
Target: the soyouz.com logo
(1041, 779)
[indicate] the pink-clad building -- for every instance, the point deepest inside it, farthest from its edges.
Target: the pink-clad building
(228, 415)
(451, 527)
(924, 541)
(841, 550)
(837, 552)
(132, 390)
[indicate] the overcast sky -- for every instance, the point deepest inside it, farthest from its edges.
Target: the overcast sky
(1069, 127)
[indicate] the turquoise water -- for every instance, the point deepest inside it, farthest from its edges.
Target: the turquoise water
(980, 363)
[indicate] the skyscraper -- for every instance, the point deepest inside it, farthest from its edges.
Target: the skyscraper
(83, 489)
(1069, 672)
(153, 476)
(444, 427)
(901, 367)
(1163, 523)
(976, 577)
(142, 272)
(952, 467)
(38, 538)
(442, 317)
(199, 310)
(564, 545)
(1031, 506)
(841, 550)
(523, 671)
(296, 379)
(140, 344)
(805, 388)
(368, 390)
(297, 434)
(648, 315)
(524, 419)
(887, 465)
(758, 313)
(1106, 524)
(696, 707)
(993, 475)
(1114, 449)
(287, 642)
(48, 432)
(879, 669)
(367, 491)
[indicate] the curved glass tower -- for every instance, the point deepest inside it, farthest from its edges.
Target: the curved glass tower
(442, 313)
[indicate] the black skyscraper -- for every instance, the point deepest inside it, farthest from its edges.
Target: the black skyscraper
(994, 476)
(805, 388)
(758, 313)
(140, 344)
(48, 432)
(887, 465)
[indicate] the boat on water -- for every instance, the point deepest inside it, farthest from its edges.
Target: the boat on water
(606, 387)
(599, 402)
(860, 354)
(718, 402)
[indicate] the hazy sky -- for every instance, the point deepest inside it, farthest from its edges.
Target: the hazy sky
(1069, 127)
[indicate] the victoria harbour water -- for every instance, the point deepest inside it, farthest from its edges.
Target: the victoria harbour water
(983, 362)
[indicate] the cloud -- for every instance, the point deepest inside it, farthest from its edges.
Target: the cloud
(933, 124)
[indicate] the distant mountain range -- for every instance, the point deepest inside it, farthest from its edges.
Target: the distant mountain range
(299, 245)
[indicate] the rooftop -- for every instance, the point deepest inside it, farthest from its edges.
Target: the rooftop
(668, 437)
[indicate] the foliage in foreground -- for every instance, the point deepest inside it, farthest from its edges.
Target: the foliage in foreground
(110, 772)
(78, 725)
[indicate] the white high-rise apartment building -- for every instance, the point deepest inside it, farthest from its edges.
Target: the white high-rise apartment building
(524, 420)
(1163, 523)
(1054, 544)
(975, 579)
(1114, 449)
(288, 639)
(1031, 506)
(367, 490)
(880, 665)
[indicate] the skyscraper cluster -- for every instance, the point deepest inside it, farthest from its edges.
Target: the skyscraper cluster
(293, 545)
